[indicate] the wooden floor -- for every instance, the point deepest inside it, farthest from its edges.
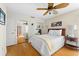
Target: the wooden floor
(25, 49)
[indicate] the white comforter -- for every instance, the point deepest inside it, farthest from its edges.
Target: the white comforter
(46, 44)
(47, 40)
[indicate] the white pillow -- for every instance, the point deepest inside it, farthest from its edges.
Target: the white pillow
(55, 32)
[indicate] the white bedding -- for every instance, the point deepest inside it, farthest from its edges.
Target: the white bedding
(42, 46)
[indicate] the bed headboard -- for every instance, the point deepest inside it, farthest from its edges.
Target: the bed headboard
(63, 30)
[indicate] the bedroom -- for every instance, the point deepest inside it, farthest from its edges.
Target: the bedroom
(25, 15)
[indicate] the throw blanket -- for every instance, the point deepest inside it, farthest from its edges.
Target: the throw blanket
(47, 39)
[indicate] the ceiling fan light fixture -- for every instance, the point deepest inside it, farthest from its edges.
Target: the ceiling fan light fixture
(49, 12)
(52, 7)
(55, 12)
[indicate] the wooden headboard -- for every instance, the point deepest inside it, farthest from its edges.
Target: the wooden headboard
(63, 30)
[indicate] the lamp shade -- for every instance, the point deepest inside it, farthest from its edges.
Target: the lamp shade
(72, 30)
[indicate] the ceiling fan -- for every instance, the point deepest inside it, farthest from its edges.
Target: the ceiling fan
(52, 7)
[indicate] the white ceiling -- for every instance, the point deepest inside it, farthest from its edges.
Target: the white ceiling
(29, 9)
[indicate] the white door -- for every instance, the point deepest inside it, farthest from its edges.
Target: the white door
(2, 40)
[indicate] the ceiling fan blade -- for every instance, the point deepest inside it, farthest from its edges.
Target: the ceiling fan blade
(42, 8)
(45, 12)
(62, 5)
(50, 4)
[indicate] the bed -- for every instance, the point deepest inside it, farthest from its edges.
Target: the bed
(47, 44)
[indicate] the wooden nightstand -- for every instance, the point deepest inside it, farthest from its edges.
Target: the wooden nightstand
(72, 42)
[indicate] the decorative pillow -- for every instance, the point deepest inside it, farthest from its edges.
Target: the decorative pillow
(55, 32)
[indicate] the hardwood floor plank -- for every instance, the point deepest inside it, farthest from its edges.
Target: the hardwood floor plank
(25, 49)
(66, 52)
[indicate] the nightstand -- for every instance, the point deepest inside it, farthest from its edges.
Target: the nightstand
(72, 42)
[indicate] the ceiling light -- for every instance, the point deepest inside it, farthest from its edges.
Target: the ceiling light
(55, 12)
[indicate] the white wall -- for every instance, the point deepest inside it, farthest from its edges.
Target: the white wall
(11, 30)
(3, 34)
(67, 19)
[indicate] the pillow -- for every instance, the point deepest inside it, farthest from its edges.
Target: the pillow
(55, 32)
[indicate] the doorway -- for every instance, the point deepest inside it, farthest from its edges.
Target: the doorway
(22, 32)
(20, 37)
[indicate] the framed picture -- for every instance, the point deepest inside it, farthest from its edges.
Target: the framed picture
(2, 17)
(59, 23)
